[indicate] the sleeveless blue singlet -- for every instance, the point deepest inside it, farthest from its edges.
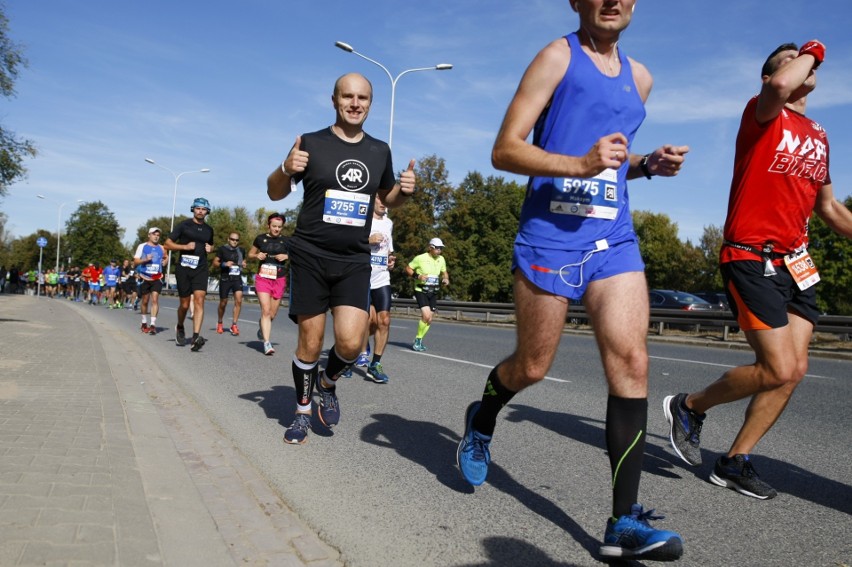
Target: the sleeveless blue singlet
(572, 214)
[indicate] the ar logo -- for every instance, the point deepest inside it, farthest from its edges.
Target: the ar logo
(352, 175)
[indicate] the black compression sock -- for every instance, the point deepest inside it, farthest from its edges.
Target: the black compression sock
(626, 421)
(494, 397)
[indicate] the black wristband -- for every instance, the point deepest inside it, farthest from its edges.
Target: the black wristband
(643, 165)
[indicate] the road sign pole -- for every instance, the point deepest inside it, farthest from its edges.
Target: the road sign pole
(41, 242)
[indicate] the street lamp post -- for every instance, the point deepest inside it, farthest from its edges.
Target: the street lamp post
(58, 228)
(177, 177)
(439, 67)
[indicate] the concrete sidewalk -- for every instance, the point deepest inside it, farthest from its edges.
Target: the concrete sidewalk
(104, 461)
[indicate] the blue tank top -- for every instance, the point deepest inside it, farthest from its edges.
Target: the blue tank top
(573, 213)
(153, 268)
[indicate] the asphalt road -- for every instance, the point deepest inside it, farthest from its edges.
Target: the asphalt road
(384, 489)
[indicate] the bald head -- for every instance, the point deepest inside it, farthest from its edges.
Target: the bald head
(352, 81)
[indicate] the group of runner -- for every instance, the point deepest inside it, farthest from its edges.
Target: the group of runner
(570, 127)
(113, 286)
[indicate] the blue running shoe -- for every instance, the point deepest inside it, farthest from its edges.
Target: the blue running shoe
(362, 361)
(377, 374)
(632, 536)
(329, 408)
(297, 433)
(347, 372)
(473, 455)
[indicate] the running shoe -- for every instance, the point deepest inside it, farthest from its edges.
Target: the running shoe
(180, 336)
(197, 343)
(738, 473)
(347, 372)
(474, 454)
(219, 328)
(152, 330)
(362, 360)
(144, 327)
(632, 536)
(684, 429)
(329, 408)
(235, 331)
(418, 345)
(268, 350)
(297, 433)
(377, 374)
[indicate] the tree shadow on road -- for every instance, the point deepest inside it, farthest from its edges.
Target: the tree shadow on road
(279, 404)
(783, 476)
(434, 447)
(502, 551)
(591, 432)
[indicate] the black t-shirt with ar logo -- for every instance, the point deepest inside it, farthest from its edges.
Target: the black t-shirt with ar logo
(340, 183)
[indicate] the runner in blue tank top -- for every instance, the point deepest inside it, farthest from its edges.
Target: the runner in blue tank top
(583, 99)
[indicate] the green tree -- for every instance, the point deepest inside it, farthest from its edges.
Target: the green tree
(417, 221)
(832, 254)
(92, 234)
(483, 224)
(709, 278)
(13, 150)
(665, 257)
(24, 252)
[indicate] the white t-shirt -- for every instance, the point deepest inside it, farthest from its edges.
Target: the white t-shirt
(380, 276)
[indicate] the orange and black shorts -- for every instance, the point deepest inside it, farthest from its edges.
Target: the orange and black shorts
(762, 302)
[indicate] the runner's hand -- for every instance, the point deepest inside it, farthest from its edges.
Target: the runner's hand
(407, 179)
(297, 160)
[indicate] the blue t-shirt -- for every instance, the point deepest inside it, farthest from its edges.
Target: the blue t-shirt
(111, 274)
(574, 213)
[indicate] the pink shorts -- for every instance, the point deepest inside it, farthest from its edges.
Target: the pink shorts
(275, 287)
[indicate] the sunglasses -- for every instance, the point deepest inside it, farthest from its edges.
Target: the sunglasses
(233, 239)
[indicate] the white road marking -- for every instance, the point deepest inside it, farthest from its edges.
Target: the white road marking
(725, 365)
(473, 363)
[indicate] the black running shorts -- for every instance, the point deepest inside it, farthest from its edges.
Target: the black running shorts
(761, 302)
(190, 280)
(318, 284)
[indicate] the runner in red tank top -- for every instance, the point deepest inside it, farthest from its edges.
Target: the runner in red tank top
(780, 178)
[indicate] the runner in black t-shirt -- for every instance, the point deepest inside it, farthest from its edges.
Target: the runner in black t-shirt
(231, 259)
(341, 169)
(194, 239)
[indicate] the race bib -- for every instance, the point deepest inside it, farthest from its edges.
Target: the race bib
(188, 261)
(151, 269)
(802, 268)
(268, 271)
(431, 281)
(378, 260)
(342, 207)
(596, 197)
(234, 270)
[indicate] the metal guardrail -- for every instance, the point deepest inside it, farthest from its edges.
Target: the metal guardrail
(661, 319)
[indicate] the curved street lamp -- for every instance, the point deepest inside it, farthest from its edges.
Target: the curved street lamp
(177, 177)
(58, 228)
(439, 67)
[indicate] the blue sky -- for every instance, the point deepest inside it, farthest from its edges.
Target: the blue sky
(229, 85)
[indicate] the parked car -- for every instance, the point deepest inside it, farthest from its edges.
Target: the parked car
(716, 297)
(670, 299)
